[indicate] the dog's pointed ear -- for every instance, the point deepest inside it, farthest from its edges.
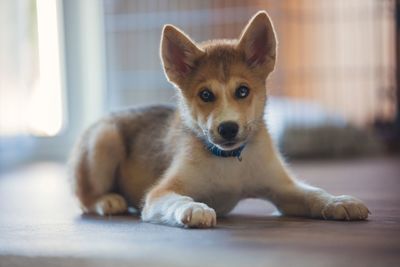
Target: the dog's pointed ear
(178, 53)
(258, 42)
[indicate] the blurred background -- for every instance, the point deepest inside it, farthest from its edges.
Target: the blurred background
(64, 64)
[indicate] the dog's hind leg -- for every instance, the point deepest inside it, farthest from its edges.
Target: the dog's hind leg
(93, 169)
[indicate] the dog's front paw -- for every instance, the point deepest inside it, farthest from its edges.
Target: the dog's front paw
(196, 215)
(345, 208)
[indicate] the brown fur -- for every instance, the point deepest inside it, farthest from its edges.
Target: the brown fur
(216, 62)
(158, 154)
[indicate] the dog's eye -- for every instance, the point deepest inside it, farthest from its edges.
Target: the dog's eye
(242, 91)
(206, 95)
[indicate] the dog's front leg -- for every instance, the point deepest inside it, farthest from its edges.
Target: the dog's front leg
(168, 205)
(295, 198)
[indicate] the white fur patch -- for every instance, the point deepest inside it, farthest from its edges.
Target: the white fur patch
(174, 209)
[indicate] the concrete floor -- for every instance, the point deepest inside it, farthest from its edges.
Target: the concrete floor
(40, 225)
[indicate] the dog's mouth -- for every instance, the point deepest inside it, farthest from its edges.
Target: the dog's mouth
(228, 146)
(225, 145)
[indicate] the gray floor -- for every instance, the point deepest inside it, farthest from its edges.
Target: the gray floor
(40, 225)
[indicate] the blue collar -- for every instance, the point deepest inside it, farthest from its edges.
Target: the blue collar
(223, 153)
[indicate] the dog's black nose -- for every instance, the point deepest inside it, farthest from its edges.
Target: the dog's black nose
(228, 130)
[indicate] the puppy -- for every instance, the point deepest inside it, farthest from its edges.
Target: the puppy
(185, 166)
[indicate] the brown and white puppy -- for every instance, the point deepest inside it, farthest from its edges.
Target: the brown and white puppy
(187, 165)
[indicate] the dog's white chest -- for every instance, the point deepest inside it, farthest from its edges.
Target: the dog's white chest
(225, 184)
